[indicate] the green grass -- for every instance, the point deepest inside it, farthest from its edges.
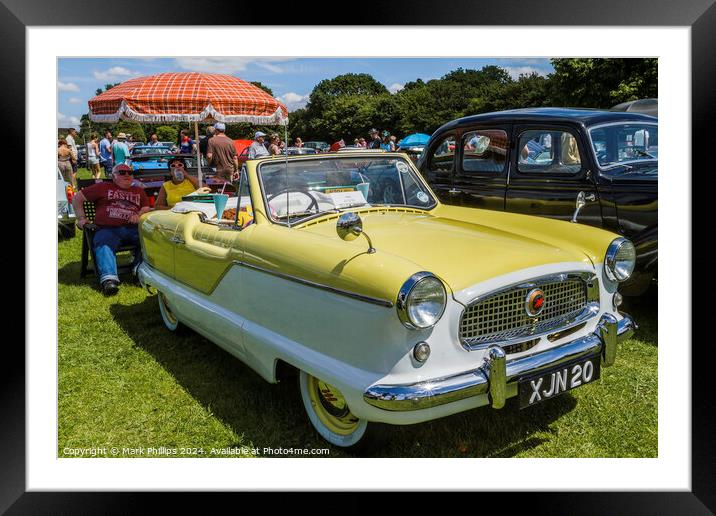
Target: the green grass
(125, 381)
(84, 173)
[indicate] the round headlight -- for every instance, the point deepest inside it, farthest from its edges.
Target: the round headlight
(620, 260)
(421, 301)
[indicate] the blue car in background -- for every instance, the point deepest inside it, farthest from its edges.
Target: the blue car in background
(148, 157)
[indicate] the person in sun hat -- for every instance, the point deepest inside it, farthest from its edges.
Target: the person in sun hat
(118, 206)
(375, 141)
(257, 148)
(120, 151)
(386, 144)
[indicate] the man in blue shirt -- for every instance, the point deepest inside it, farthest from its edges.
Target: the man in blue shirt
(105, 153)
(257, 149)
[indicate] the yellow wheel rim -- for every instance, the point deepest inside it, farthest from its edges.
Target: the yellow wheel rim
(167, 312)
(331, 408)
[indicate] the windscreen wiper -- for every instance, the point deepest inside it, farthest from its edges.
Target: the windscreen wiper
(610, 163)
(644, 153)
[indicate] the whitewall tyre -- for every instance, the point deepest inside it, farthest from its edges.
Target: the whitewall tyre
(170, 320)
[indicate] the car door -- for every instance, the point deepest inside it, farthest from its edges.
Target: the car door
(548, 170)
(158, 240)
(482, 167)
(439, 165)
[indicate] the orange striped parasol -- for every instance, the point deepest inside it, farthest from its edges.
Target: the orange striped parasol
(188, 97)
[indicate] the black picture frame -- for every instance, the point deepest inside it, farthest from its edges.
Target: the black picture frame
(699, 15)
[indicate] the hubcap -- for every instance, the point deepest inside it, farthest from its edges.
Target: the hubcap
(331, 407)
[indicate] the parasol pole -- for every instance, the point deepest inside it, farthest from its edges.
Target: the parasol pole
(198, 152)
(285, 146)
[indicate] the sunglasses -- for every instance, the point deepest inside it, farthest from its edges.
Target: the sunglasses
(124, 173)
(177, 165)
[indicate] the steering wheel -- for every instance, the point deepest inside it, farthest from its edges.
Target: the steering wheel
(314, 201)
(391, 192)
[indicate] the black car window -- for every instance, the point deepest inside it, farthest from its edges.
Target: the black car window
(484, 151)
(548, 152)
(616, 144)
(443, 156)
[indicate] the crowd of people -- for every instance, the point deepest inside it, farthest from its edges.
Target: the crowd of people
(120, 203)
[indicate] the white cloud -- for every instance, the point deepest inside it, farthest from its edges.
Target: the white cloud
(74, 100)
(114, 74)
(516, 71)
(294, 101)
(270, 67)
(395, 87)
(228, 65)
(67, 86)
(67, 121)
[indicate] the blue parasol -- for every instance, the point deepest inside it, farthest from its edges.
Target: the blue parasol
(414, 140)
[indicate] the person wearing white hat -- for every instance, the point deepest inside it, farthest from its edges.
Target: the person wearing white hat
(257, 148)
(221, 153)
(120, 150)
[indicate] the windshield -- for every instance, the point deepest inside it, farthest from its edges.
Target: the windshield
(619, 144)
(150, 150)
(312, 187)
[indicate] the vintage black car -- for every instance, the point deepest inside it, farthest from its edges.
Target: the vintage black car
(588, 166)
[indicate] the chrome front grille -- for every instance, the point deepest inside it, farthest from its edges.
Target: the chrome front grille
(500, 317)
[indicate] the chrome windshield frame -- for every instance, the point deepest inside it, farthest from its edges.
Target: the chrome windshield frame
(313, 157)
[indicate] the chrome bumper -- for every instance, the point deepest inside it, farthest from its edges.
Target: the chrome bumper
(497, 372)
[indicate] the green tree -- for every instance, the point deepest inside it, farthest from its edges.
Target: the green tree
(166, 133)
(130, 127)
(263, 87)
(348, 84)
(602, 83)
(425, 106)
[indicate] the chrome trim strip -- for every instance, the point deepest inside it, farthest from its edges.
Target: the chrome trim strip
(591, 309)
(431, 393)
(353, 295)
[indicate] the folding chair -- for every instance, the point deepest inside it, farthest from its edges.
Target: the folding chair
(88, 245)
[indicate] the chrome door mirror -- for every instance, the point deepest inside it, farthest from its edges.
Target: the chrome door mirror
(582, 199)
(350, 226)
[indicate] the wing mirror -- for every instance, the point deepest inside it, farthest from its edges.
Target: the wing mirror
(582, 199)
(350, 226)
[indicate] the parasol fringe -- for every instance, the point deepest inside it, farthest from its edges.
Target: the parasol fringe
(209, 114)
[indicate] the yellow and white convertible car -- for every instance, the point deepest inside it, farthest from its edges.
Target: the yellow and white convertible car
(394, 307)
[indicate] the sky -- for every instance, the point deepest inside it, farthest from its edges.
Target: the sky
(290, 79)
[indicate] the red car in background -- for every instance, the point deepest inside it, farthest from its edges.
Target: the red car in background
(242, 149)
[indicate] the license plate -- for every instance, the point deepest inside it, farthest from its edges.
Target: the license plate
(563, 378)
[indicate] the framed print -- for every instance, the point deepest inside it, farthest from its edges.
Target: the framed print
(666, 467)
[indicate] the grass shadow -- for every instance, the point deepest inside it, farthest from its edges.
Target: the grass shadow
(644, 309)
(269, 415)
(69, 274)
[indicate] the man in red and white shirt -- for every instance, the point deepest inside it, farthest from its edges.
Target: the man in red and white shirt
(118, 206)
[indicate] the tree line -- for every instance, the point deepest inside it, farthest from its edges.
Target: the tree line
(348, 105)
